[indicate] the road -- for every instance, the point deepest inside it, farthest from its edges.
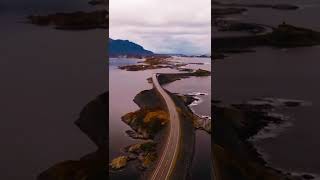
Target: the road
(168, 157)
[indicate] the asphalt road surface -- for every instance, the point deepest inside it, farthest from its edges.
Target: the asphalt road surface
(168, 157)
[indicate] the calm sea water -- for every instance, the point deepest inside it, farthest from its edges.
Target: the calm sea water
(47, 76)
(281, 73)
(125, 85)
(201, 167)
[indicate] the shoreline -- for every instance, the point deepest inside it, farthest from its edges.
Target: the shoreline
(246, 120)
(185, 99)
(281, 37)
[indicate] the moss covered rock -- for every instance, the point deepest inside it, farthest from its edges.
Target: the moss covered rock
(146, 122)
(119, 162)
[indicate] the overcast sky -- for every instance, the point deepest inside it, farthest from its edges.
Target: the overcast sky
(163, 26)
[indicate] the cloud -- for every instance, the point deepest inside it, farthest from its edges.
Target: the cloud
(163, 26)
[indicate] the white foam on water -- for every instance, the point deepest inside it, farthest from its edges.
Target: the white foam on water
(205, 117)
(197, 102)
(272, 130)
(198, 94)
(316, 176)
(277, 102)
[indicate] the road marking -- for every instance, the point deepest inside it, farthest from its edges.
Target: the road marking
(173, 115)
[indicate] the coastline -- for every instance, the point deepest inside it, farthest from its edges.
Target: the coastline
(271, 71)
(187, 132)
(234, 149)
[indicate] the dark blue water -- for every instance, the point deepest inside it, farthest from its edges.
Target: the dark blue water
(281, 73)
(46, 76)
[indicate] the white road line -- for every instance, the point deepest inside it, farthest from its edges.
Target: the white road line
(174, 118)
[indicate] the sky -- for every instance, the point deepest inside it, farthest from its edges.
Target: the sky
(163, 26)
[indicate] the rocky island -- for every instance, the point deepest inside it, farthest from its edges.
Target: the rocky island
(168, 78)
(283, 36)
(97, 2)
(150, 62)
(79, 20)
(149, 123)
(272, 6)
(234, 127)
(92, 121)
(164, 61)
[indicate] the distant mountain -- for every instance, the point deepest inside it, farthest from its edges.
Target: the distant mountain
(125, 47)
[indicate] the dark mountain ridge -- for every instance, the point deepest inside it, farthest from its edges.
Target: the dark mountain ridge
(126, 48)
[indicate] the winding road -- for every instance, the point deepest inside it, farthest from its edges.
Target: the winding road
(168, 157)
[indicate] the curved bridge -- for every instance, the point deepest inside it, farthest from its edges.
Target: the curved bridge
(168, 157)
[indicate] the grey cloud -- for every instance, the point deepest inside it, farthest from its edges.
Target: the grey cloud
(163, 26)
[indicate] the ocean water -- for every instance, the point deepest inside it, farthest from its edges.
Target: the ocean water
(201, 168)
(47, 76)
(124, 85)
(279, 73)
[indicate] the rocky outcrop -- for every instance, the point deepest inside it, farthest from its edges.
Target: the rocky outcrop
(272, 6)
(202, 123)
(141, 67)
(227, 11)
(93, 121)
(232, 25)
(146, 122)
(144, 147)
(145, 152)
(235, 156)
(147, 160)
(168, 78)
(283, 36)
(149, 119)
(119, 162)
(97, 2)
(286, 35)
(151, 62)
(90, 167)
(149, 99)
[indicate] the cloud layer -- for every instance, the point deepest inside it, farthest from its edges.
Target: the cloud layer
(163, 26)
